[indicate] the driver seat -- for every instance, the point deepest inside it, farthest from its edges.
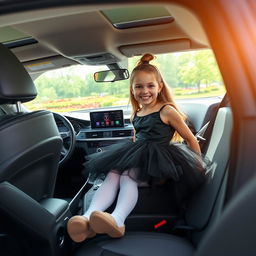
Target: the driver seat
(30, 142)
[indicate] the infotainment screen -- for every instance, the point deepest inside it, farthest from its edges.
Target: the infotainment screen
(107, 119)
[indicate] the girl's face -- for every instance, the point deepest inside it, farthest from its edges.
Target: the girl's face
(145, 88)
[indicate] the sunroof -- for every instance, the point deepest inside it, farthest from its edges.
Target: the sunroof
(132, 17)
(13, 38)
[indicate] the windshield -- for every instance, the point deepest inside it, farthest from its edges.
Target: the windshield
(191, 75)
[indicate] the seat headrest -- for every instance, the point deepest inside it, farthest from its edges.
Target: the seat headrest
(15, 83)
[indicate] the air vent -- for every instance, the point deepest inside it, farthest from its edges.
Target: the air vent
(90, 135)
(122, 133)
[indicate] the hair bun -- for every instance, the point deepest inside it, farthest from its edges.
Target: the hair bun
(146, 58)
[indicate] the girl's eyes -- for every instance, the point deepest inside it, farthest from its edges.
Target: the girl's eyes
(140, 86)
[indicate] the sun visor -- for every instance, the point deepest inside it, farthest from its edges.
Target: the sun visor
(156, 47)
(45, 64)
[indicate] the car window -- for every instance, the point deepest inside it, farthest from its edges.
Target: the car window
(190, 75)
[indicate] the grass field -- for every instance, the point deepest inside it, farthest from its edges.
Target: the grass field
(72, 104)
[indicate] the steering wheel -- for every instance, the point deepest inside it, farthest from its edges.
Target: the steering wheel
(68, 137)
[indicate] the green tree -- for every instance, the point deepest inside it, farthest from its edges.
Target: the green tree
(168, 68)
(195, 68)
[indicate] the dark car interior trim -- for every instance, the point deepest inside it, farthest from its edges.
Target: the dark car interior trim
(37, 225)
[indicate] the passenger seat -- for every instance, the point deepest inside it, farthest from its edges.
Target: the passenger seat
(206, 204)
(204, 209)
(233, 234)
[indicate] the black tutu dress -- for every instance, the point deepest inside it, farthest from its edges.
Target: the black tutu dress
(152, 158)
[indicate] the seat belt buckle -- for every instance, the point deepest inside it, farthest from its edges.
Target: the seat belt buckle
(160, 224)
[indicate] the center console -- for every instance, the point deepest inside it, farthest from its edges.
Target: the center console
(107, 127)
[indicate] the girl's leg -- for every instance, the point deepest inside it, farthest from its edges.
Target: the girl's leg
(78, 226)
(113, 224)
(126, 201)
(105, 195)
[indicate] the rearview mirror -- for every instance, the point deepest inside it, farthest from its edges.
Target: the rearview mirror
(111, 75)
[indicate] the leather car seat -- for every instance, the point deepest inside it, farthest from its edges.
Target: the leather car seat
(30, 142)
(233, 233)
(204, 209)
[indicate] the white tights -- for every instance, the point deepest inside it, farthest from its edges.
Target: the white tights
(106, 194)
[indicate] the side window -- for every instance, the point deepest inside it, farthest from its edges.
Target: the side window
(191, 75)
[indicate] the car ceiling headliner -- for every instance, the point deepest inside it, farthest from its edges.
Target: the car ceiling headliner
(75, 31)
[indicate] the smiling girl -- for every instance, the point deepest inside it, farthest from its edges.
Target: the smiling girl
(156, 154)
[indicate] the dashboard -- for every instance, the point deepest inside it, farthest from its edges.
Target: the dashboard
(102, 129)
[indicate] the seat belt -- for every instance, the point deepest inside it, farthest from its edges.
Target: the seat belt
(205, 132)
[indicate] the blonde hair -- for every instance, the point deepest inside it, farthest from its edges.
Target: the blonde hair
(165, 95)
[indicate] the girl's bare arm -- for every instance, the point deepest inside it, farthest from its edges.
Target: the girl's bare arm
(170, 115)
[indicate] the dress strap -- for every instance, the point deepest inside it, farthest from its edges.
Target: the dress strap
(163, 107)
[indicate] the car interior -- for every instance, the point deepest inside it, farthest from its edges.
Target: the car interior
(43, 182)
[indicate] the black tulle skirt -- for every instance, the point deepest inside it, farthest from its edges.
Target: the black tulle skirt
(151, 162)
